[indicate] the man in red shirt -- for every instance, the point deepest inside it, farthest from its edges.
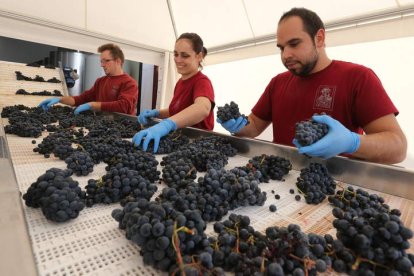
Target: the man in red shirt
(115, 92)
(362, 118)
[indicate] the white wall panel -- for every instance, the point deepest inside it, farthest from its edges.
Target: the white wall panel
(141, 21)
(218, 22)
(70, 13)
(21, 29)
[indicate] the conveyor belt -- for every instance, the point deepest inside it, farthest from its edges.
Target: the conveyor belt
(92, 244)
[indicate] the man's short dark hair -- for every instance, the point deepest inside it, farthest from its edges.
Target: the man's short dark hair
(312, 23)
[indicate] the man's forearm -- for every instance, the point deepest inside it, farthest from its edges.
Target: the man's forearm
(67, 100)
(384, 147)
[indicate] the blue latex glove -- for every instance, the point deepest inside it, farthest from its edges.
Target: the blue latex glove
(82, 107)
(46, 104)
(155, 132)
(144, 115)
(338, 140)
(233, 125)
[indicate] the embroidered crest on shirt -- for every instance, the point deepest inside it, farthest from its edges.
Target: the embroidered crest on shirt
(115, 89)
(324, 97)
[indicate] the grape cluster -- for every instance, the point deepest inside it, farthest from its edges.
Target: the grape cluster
(55, 92)
(373, 233)
(118, 184)
(167, 237)
(8, 110)
(215, 194)
(282, 250)
(308, 132)
(169, 143)
(229, 111)
(80, 163)
(179, 173)
(315, 183)
(20, 76)
(57, 194)
(270, 167)
(143, 162)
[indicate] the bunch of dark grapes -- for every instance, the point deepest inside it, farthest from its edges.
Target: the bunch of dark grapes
(315, 183)
(80, 163)
(164, 235)
(143, 162)
(117, 185)
(375, 234)
(63, 150)
(8, 110)
(229, 111)
(57, 194)
(270, 166)
(179, 173)
(308, 132)
(22, 124)
(217, 143)
(55, 140)
(24, 129)
(241, 249)
(169, 143)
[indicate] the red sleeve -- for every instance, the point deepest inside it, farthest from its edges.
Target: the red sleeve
(372, 101)
(263, 107)
(126, 101)
(204, 88)
(88, 95)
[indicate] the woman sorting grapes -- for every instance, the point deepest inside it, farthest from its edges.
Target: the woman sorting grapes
(193, 100)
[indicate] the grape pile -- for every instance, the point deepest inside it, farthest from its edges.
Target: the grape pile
(178, 174)
(169, 143)
(229, 111)
(55, 92)
(308, 132)
(143, 162)
(270, 167)
(215, 194)
(116, 185)
(315, 183)
(57, 194)
(80, 163)
(374, 238)
(167, 238)
(20, 76)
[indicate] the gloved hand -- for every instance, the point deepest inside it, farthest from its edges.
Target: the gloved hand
(144, 115)
(233, 125)
(46, 104)
(155, 132)
(82, 107)
(338, 140)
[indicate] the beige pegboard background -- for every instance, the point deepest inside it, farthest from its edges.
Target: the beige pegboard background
(9, 84)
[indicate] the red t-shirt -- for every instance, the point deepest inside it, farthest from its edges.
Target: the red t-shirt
(185, 93)
(116, 94)
(348, 92)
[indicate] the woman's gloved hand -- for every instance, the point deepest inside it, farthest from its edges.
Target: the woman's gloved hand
(154, 133)
(82, 107)
(144, 115)
(233, 125)
(338, 140)
(46, 104)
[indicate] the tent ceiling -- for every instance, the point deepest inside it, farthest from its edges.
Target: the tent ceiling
(155, 24)
(222, 23)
